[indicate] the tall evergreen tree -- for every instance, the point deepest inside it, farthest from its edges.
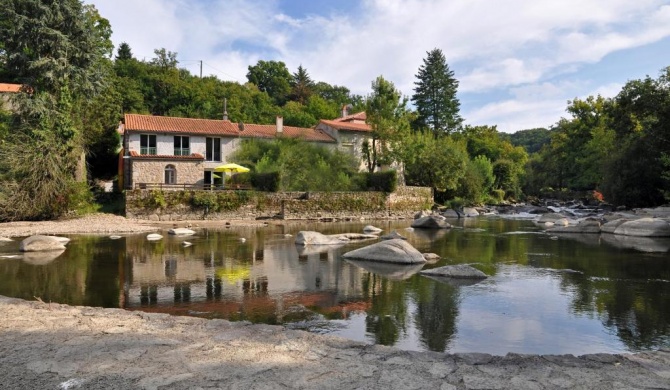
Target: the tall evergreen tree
(124, 53)
(435, 95)
(301, 86)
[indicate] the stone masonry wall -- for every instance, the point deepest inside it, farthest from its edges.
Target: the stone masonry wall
(160, 205)
(153, 171)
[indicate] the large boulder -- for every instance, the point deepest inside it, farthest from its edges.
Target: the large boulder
(394, 251)
(431, 222)
(587, 226)
(40, 243)
(610, 227)
(644, 227)
(458, 271)
(315, 238)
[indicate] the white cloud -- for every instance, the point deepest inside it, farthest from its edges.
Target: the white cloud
(493, 46)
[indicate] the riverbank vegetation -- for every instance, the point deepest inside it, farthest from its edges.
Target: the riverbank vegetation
(58, 136)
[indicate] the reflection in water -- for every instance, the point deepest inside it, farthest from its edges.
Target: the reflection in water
(387, 270)
(572, 295)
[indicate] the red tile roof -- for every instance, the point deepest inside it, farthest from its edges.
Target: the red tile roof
(349, 126)
(270, 131)
(163, 124)
(10, 88)
(193, 156)
(359, 116)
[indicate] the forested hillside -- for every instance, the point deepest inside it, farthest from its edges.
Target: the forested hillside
(60, 133)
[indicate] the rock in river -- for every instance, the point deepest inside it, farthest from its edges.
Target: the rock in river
(40, 243)
(644, 227)
(390, 251)
(316, 238)
(181, 232)
(459, 271)
(586, 226)
(431, 222)
(372, 229)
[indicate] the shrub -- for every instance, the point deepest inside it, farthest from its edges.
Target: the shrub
(386, 181)
(265, 181)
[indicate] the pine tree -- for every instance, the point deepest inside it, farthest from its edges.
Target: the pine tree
(435, 95)
(301, 86)
(124, 52)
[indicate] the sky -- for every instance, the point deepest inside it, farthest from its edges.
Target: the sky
(518, 62)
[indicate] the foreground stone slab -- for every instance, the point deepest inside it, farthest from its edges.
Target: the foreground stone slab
(52, 346)
(394, 251)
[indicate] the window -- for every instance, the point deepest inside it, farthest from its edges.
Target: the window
(213, 152)
(170, 174)
(147, 144)
(182, 146)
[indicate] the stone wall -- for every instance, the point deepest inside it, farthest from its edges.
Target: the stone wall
(160, 205)
(153, 171)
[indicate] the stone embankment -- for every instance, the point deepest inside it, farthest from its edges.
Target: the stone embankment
(52, 346)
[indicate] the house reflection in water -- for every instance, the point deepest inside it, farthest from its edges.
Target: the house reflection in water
(259, 281)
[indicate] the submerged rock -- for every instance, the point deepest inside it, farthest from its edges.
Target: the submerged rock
(42, 258)
(431, 222)
(395, 251)
(41, 243)
(393, 235)
(431, 258)
(459, 271)
(316, 238)
(181, 232)
(587, 227)
(372, 229)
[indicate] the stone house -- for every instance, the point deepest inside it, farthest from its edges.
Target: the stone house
(5, 91)
(177, 153)
(350, 132)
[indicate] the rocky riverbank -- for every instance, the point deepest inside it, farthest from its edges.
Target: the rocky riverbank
(104, 224)
(53, 346)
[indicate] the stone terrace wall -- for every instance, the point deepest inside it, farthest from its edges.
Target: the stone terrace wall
(160, 205)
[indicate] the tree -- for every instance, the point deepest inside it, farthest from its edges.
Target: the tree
(60, 50)
(301, 86)
(387, 115)
(124, 53)
(273, 78)
(435, 95)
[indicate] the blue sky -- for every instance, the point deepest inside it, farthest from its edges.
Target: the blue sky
(518, 61)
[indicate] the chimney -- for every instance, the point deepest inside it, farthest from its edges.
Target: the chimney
(280, 125)
(225, 109)
(345, 109)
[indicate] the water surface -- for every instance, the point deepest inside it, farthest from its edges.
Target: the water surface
(545, 294)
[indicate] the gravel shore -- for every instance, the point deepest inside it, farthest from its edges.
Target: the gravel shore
(102, 224)
(53, 346)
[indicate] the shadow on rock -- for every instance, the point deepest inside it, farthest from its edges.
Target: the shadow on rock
(642, 244)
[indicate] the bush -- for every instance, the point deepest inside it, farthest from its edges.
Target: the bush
(265, 181)
(498, 195)
(386, 181)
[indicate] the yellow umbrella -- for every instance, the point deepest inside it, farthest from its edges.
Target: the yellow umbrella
(231, 168)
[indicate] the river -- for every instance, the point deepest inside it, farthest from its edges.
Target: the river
(545, 294)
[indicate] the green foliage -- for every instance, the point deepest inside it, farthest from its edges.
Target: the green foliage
(388, 117)
(532, 140)
(268, 181)
(273, 78)
(301, 86)
(386, 181)
(477, 181)
(435, 95)
(302, 166)
(437, 163)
